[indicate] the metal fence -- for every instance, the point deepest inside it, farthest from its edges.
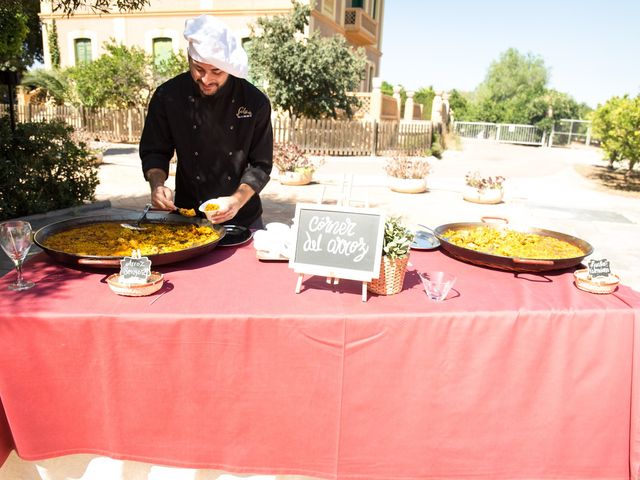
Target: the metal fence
(567, 132)
(319, 137)
(501, 132)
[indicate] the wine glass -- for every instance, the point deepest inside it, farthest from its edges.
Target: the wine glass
(15, 239)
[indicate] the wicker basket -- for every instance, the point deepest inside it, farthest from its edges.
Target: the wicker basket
(601, 286)
(391, 276)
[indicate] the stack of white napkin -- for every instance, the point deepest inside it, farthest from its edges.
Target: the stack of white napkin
(274, 241)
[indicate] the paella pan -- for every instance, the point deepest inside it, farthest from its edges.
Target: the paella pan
(68, 257)
(571, 252)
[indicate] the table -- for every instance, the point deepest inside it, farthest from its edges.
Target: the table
(514, 376)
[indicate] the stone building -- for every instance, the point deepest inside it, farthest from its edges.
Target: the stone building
(158, 28)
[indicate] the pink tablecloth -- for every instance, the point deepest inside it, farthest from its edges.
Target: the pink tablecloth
(513, 376)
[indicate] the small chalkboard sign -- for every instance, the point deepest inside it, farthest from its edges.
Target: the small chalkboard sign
(337, 242)
(135, 270)
(599, 268)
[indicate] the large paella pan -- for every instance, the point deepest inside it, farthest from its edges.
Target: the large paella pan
(449, 235)
(64, 255)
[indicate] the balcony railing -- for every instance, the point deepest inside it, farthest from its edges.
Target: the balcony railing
(359, 27)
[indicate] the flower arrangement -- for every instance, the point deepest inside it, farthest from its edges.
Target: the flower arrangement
(289, 157)
(407, 167)
(397, 239)
(477, 181)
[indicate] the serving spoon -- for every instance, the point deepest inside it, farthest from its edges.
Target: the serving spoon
(137, 226)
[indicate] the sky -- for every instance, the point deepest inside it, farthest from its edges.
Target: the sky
(591, 48)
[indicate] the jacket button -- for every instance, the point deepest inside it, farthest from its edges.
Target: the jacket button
(230, 153)
(195, 153)
(231, 127)
(229, 178)
(197, 177)
(195, 126)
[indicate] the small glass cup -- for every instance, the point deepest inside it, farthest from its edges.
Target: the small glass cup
(437, 284)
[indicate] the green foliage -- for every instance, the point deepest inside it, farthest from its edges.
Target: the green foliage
(117, 79)
(13, 32)
(53, 45)
(510, 87)
(305, 76)
(617, 124)
(170, 67)
(397, 239)
(68, 7)
(424, 96)
(436, 145)
(20, 38)
(461, 103)
(42, 169)
(54, 84)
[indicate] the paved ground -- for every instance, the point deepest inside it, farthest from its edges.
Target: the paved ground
(542, 190)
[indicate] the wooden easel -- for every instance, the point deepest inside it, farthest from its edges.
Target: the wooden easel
(344, 199)
(331, 280)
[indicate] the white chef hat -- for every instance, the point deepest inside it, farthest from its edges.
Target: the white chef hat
(213, 43)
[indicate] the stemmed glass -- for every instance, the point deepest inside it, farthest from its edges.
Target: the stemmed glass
(15, 239)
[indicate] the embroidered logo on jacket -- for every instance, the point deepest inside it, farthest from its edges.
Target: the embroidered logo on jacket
(244, 112)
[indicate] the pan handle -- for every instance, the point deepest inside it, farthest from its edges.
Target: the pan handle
(484, 219)
(99, 262)
(532, 261)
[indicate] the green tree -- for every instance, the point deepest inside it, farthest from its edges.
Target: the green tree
(52, 84)
(424, 96)
(118, 79)
(54, 48)
(512, 84)
(68, 7)
(13, 32)
(617, 124)
(305, 76)
(462, 105)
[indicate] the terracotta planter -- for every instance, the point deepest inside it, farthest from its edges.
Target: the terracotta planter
(487, 195)
(295, 178)
(391, 277)
(408, 185)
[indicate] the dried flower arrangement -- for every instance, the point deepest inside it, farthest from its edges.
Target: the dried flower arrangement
(289, 157)
(407, 167)
(476, 180)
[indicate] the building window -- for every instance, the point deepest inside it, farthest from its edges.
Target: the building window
(162, 49)
(82, 47)
(355, 3)
(328, 7)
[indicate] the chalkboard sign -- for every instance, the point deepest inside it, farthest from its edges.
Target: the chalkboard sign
(337, 242)
(599, 268)
(135, 270)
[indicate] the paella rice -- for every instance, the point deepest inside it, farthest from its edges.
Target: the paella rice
(109, 239)
(511, 243)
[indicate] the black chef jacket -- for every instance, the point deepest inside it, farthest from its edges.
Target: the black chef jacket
(221, 141)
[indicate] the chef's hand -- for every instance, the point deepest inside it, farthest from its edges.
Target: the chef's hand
(162, 198)
(227, 209)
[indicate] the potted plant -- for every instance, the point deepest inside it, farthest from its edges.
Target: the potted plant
(407, 174)
(479, 189)
(295, 167)
(395, 256)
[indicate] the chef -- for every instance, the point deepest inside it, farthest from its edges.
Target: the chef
(219, 126)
